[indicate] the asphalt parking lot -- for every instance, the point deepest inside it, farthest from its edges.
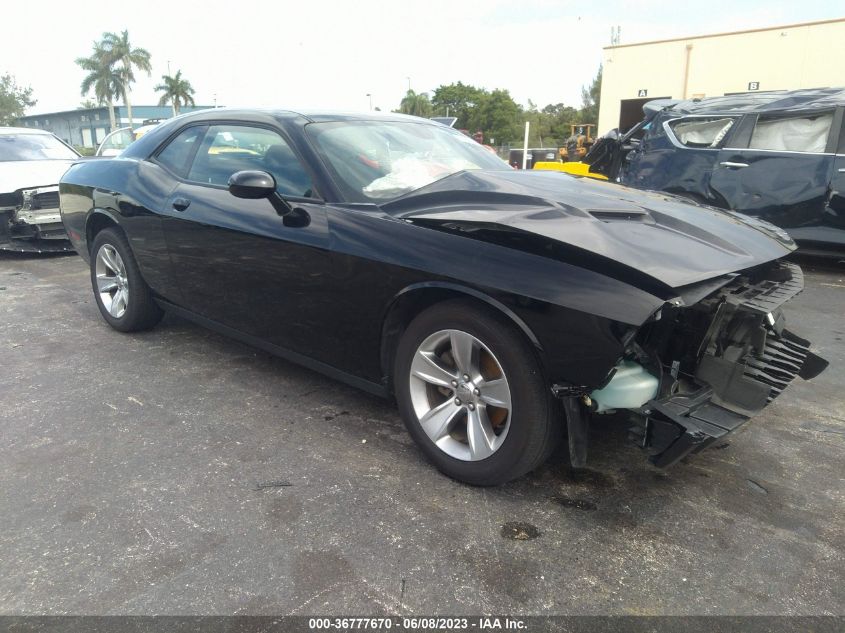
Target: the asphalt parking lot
(142, 474)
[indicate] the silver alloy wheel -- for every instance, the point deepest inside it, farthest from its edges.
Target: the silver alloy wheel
(460, 395)
(112, 284)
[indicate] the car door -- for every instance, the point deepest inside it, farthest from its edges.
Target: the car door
(779, 168)
(678, 155)
(238, 262)
(141, 205)
(830, 234)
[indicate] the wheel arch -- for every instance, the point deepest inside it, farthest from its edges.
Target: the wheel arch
(98, 219)
(412, 300)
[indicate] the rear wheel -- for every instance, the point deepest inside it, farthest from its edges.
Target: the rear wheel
(472, 395)
(122, 295)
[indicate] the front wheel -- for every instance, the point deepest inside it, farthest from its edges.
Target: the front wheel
(122, 295)
(472, 395)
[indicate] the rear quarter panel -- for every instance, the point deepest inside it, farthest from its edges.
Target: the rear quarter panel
(130, 193)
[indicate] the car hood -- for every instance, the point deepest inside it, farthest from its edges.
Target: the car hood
(662, 236)
(27, 174)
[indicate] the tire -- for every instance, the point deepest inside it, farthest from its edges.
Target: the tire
(126, 301)
(462, 427)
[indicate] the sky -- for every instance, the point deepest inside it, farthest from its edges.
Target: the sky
(329, 54)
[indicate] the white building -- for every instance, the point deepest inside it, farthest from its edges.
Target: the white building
(808, 55)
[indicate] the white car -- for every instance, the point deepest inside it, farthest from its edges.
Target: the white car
(31, 164)
(120, 139)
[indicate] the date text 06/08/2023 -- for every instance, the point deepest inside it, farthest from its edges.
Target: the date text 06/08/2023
(418, 624)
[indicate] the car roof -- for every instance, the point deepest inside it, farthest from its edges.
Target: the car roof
(308, 114)
(149, 141)
(754, 102)
(22, 130)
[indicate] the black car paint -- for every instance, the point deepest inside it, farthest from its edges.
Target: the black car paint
(375, 261)
(803, 193)
(575, 265)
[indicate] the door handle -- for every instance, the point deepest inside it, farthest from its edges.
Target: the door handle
(728, 163)
(180, 204)
(841, 171)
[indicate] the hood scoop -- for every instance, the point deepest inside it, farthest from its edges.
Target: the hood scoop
(627, 214)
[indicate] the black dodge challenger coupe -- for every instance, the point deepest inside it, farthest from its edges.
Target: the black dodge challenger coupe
(402, 257)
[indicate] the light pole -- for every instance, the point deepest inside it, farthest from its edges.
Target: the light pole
(370, 96)
(409, 83)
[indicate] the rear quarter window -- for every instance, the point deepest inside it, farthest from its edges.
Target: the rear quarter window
(178, 151)
(792, 134)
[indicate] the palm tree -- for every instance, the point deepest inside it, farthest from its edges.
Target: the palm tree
(176, 90)
(102, 77)
(121, 51)
(416, 104)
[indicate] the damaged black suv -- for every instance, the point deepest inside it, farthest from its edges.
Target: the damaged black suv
(778, 155)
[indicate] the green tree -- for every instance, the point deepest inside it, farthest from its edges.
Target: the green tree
(561, 117)
(14, 99)
(121, 51)
(102, 78)
(498, 116)
(417, 104)
(540, 132)
(457, 100)
(590, 100)
(177, 91)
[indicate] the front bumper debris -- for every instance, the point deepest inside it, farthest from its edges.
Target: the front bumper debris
(721, 362)
(680, 425)
(684, 424)
(34, 224)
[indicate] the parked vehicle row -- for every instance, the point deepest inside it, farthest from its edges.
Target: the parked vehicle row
(400, 256)
(31, 163)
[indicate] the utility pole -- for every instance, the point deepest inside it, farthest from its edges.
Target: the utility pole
(525, 146)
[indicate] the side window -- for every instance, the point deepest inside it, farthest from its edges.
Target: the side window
(806, 133)
(230, 148)
(701, 132)
(178, 152)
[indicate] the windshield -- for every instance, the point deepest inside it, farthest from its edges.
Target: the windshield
(376, 161)
(34, 147)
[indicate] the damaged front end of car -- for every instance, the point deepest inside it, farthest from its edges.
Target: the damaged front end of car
(709, 349)
(30, 221)
(701, 367)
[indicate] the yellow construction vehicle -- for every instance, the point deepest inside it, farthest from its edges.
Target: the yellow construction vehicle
(579, 142)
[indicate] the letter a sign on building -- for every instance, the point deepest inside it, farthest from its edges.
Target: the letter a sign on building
(642, 92)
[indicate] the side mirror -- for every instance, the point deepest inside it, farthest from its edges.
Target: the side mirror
(252, 185)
